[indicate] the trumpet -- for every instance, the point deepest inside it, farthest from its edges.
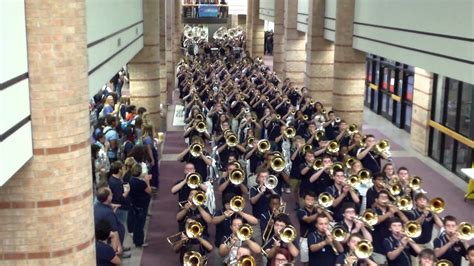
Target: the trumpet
(317, 164)
(231, 140)
(369, 218)
(278, 163)
(465, 231)
(412, 229)
(193, 180)
(237, 176)
(290, 132)
(201, 127)
(333, 147)
(365, 176)
(193, 258)
(199, 198)
(348, 162)
(382, 146)
(415, 182)
(196, 149)
(325, 200)
(436, 205)
(444, 262)
(405, 203)
(263, 145)
(319, 135)
(338, 166)
(237, 203)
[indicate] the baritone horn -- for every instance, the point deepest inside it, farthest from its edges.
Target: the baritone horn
(237, 176)
(237, 203)
(465, 231)
(199, 198)
(278, 163)
(196, 149)
(193, 258)
(193, 180)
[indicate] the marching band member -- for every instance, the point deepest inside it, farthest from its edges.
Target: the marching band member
(200, 243)
(448, 245)
(398, 247)
(368, 157)
(275, 241)
(199, 213)
(323, 249)
(229, 251)
(342, 193)
(352, 224)
(181, 187)
(349, 258)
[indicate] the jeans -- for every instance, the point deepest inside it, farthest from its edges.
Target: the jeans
(136, 222)
(122, 215)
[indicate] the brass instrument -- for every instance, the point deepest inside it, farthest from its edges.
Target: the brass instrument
(336, 167)
(319, 134)
(288, 101)
(193, 230)
(253, 119)
(271, 182)
(263, 145)
(193, 180)
(415, 182)
(465, 231)
(245, 232)
(339, 233)
(181, 204)
(394, 189)
(317, 164)
(405, 203)
(365, 176)
(250, 141)
(325, 200)
(231, 140)
(412, 229)
(306, 148)
(201, 127)
(352, 129)
(290, 132)
(278, 117)
(237, 203)
(196, 149)
(369, 218)
(353, 181)
(437, 205)
(278, 163)
(337, 120)
(333, 147)
(444, 262)
(246, 260)
(305, 117)
(382, 146)
(193, 258)
(364, 249)
(293, 112)
(237, 164)
(199, 117)
(237, 176)
(312, 102)
(199, 198)
(349, 161)
(288, 234)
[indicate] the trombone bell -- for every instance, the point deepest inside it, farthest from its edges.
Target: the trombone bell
(237, 176)
(237, 203)
(278, 163)
(193, 180)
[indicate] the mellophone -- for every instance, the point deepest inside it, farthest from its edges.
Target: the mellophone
(279, 163)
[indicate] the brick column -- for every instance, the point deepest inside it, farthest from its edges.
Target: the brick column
(349, 67)
(255, 29)
(177, 32)
(163, 76)
(320, 56)
(279, 39)
(144, 68)
(294, 50)
(46, 207)
(422, 96)
(169, 27)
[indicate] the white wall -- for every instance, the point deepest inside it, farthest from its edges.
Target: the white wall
(330, 20)
(15, 129)
(237, 7)
(302, 16)
(267, 10)
(436, 35)
(118, 20)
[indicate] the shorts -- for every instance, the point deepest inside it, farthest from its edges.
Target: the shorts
(304, 255)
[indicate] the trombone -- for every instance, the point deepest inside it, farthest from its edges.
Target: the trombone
(199, 198)
(306, 148)
(444, 262)
(405, 203)
(193, 180)
(278, 163)
(338, 166)
(196, 149)
(237, 176)
(465, 231)
(412, 229)
(317, 164)
(363, 250)
(349, 161)
(382, 146)
(263, 145)
(245, 260)
(288, 234)
(353, 181)
(193, 258)
(414, 183)
(193, 230)
(290, 132)
(352, 129)
(231, 139)
(201, 127)
(319, 134)
(369, 218)
(436, 205)
(237, 203)
(271, 182)
(325, 200)
(333, 147)
(244, 233)
(365, 176)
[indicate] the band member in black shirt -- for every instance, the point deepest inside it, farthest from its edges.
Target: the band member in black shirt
(448, 245)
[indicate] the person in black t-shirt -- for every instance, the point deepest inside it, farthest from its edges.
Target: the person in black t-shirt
(448, 245)
(270, 247)
(349, 256)
(201, 162)
(352, 224)
(226, 187)
(322, 180)
(331, 127)
(296, 160)
(422, 215)
(190, 210)
(181, 187)
(260, 195)
(200, 244)
(373, 191)
(398, 247)
(368, 157)
(140, 196)
(322, 246)
(342, 193)
(105, 254)
(470, 255)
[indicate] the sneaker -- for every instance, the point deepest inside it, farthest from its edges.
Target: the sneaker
(287, 190)
(143, 245)
(126, 255)
(125, 249)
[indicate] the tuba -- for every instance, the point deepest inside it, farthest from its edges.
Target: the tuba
(333, 147)
(278, 163)
(412, 229)
(437, 205)
(237, 176)
(193, 180)
(193, 258)
(199, 198)
(196, 149)
(465, 231)
(237, 203)
(263, 145)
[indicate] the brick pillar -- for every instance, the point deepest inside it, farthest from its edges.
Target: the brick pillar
(349, 67)
(177, 32)
(279, 39)
(163, 77)
(234, 20)
(255, 29)
(320, 56)
(144, 68)
(422, 96)
(169, 49)
(46, 207)
(295, 50)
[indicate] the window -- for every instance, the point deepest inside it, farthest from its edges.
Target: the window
(438, 99)
(448, 152)
(451, 111)
(464, 158)
(410, 85)
(408, 109)
(466, 114)
(435, 147)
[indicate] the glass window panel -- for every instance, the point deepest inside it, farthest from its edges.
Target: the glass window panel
(400, 82)
(384, 102)
(376, 99)
(399, 112)
(464, 159)
(439, 100)
(408, 109)
(410, 85)
(392, 80)
(435, 145)
(377, 72)
(453, 88)
(367, 94)
(390, 107)
(369, 70)
(466, 109)
(448, 152)
(386, 74)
